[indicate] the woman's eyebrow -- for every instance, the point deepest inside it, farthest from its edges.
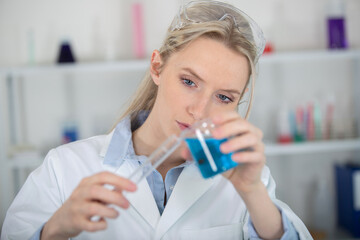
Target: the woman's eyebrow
(192, 72)
(233, 91)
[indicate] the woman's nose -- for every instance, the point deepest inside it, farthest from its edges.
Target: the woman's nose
(199, 109)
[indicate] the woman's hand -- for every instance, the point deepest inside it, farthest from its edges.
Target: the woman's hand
(90, 198)
(247, 176)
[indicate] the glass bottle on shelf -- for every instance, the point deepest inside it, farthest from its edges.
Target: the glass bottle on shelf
(336, 28)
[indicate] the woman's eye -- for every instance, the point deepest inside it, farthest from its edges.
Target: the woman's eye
(224, 98)
(188, 82)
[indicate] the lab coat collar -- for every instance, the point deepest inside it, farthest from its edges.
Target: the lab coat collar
(142, 200)
(189, 188)
(120, 158)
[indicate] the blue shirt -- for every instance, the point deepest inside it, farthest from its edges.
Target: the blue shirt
(114, 157)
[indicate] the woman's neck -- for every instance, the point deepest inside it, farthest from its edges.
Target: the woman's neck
(148, 137)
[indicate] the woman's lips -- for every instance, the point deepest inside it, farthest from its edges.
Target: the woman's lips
(183, 125)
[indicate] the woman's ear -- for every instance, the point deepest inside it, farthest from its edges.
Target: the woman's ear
(155, 66)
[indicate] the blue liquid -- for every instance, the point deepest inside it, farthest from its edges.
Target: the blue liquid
(223, 161)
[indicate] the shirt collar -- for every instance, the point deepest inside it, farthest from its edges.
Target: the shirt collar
(119, 145)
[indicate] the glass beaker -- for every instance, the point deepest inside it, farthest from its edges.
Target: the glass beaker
(205, 149)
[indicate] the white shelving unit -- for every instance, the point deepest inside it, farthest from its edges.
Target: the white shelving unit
(271, 150)
(274, 150)
(142, 64)
(119, 66)
(309, 55)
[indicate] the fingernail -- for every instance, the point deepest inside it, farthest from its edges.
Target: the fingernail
(125, 204)
(224, 148)
(116, 214)
(132, 186)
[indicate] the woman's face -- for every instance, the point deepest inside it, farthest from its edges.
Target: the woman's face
(202, 80)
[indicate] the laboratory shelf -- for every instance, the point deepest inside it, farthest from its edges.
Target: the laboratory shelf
(310, 55)
(143, 64)
(272, 149)
(90, 67)
(22, 163)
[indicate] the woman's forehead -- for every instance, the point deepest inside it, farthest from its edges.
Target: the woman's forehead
(212, 59)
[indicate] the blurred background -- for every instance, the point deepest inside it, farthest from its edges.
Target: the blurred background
(67, 69)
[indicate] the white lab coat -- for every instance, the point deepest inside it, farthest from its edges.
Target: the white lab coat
(197, 209)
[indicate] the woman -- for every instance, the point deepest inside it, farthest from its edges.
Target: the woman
(202, 71)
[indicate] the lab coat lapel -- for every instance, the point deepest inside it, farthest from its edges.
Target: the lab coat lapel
(189, 188)
(142, 200)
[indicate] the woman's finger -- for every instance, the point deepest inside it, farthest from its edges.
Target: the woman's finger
(225, 117)
(104, 195)
(92, 226)
(239, 143)
(248, 157)
(110, 179)
(98, 209)
(235, 127)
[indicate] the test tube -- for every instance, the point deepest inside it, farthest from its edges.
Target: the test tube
(156, 158)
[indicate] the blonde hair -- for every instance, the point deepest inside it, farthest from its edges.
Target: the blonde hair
(225, 31)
